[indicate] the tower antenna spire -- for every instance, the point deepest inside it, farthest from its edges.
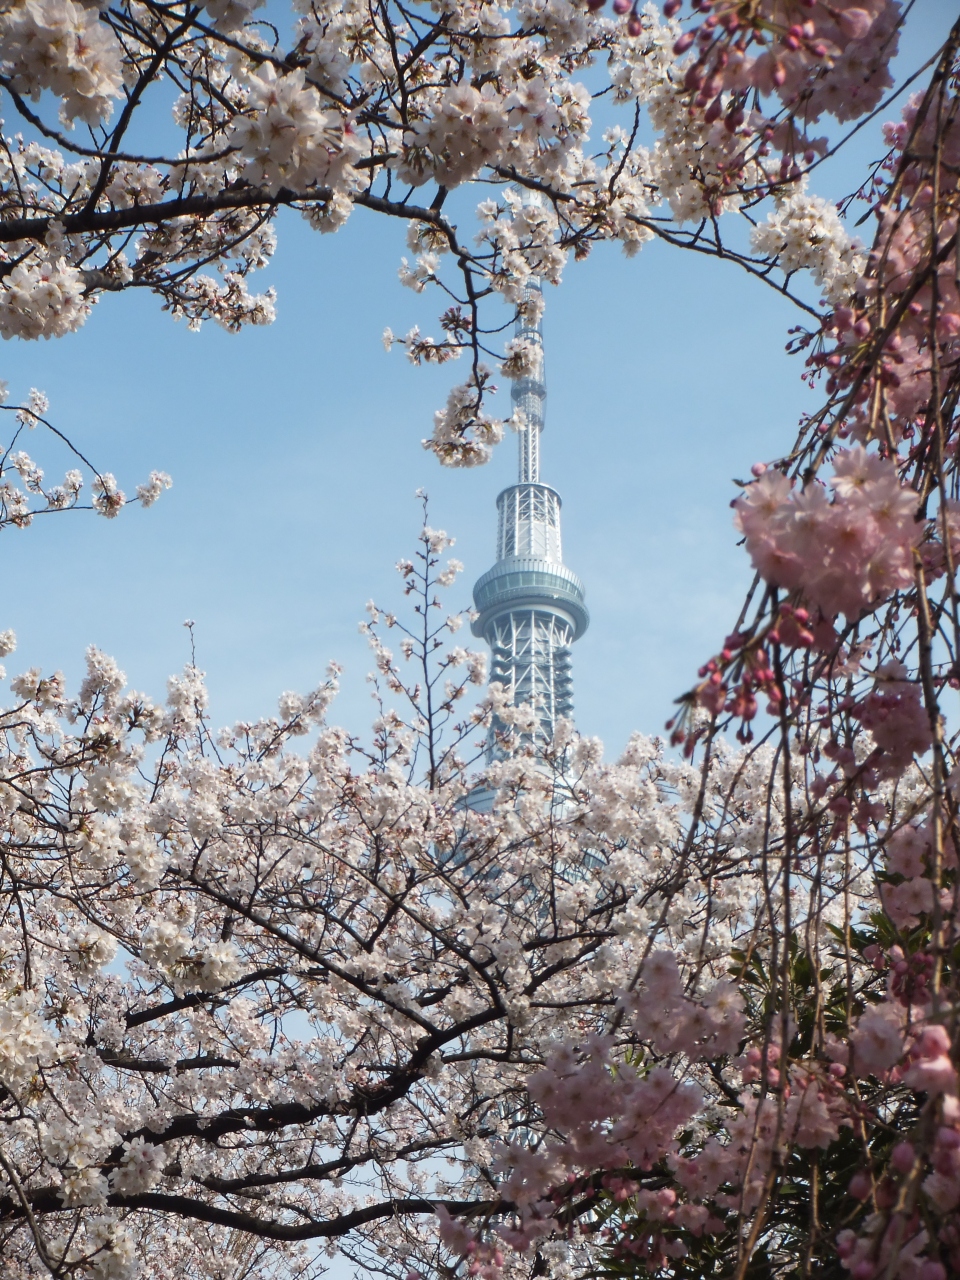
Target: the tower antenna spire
(530, 392)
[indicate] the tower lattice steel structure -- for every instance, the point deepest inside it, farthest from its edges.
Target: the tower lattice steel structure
(530, 605)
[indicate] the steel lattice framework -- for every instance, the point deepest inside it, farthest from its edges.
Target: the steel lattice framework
(530, 606)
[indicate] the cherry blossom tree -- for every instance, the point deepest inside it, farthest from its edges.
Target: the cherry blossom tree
(392, 107)
(257, 1002)
(805, 1120)
(691, 1014)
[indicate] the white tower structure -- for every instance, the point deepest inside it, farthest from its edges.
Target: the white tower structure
(530, 605)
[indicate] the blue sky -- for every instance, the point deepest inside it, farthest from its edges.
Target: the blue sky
(295, 453)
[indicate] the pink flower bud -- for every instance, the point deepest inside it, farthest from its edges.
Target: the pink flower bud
(671, 7)
(846, 1242)
(684, 43)
(903, 1156)
(634, 26)
(860, 1185)
(622, 6)
(758, 469)
(932, 1270)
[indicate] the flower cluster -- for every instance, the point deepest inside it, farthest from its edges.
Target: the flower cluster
(831, 57)
(844, 555)
(286, 137)
(463, 432)
(63, 47)
(42, 298)
(805, 232)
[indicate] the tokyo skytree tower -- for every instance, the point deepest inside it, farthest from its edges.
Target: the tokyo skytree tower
(530, 605)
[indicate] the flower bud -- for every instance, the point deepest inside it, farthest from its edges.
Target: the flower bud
(932, 1270)
(846, 1243)
(903, 1157)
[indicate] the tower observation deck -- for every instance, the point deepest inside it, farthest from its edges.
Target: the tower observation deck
(530, 605)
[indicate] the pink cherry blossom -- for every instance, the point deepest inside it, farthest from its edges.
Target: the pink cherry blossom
(878, 1040)
(844, 555)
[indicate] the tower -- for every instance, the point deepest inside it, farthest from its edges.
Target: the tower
(530, 606)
